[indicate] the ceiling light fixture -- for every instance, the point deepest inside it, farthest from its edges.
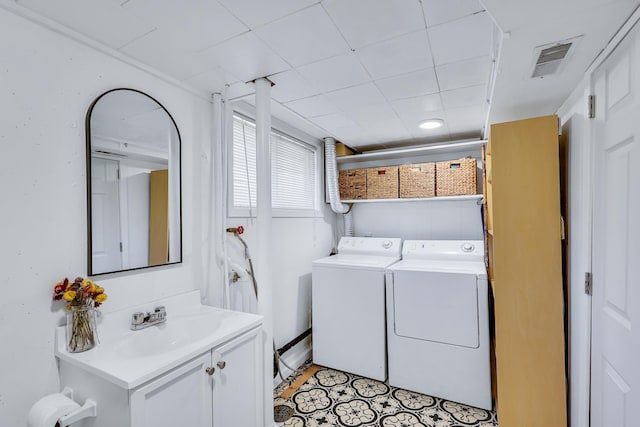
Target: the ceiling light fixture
(431, 124)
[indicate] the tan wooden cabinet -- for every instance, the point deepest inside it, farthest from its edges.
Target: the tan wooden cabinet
(523, 233)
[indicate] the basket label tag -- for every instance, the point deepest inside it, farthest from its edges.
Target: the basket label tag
(382, 172)
(454, 165)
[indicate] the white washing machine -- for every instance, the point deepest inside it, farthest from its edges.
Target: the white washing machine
(348, 306)
(438, 321)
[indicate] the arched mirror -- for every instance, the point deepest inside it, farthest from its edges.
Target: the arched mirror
(133, 183)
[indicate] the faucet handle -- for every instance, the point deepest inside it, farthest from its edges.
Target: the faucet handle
(161, 312)
(137, 318)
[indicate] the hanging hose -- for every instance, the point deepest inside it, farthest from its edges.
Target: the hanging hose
(237, 231)
(331, 172)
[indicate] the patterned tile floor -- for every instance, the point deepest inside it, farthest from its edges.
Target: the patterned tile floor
(332, 398)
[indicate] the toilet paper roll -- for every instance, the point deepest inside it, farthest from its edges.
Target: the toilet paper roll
(47, 411)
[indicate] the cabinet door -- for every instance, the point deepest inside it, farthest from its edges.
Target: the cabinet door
(237, 383)
(182, 397)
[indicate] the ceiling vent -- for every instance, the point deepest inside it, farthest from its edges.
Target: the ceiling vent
(551, 58)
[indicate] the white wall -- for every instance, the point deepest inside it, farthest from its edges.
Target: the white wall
(47, 82)
(422, 220)
(296, 243)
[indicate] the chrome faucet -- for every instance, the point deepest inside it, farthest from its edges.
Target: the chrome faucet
(142, 320)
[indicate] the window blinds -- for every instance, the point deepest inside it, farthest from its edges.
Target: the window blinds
(293, 169)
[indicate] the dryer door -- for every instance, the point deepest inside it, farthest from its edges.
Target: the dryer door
(436, 306)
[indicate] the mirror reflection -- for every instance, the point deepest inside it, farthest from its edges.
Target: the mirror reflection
(133, 161)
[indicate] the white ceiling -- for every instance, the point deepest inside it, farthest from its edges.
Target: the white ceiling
(363, 71)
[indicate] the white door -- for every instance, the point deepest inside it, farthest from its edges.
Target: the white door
(616, 252)
(105, 216)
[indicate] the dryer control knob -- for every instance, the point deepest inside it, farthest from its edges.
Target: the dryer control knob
(468, 247)
(387, 244)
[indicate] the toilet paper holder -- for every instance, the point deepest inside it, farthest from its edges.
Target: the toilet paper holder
(89, 409)
(60, 410)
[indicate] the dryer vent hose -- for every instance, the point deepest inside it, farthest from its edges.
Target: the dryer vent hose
(331, 172)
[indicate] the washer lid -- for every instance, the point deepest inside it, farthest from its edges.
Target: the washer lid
(473, 267)
(352, 260)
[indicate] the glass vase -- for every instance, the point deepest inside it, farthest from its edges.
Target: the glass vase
(81, 328)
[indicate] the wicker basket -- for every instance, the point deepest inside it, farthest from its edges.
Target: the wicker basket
(418, 180)
(382, 183)
(456, 177)
(353, 184)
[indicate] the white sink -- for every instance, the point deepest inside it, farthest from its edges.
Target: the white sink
(176, 332)
(129, 358)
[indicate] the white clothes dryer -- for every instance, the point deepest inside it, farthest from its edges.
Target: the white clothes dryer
(348, 306)
(438, 321)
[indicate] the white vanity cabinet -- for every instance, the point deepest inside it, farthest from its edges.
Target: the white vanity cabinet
(201, 368)
(220, 388)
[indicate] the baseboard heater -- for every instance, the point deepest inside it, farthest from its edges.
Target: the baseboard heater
(288, 347)
(293, 342)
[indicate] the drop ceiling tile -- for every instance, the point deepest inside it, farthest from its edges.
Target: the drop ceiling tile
(431, 135)
(391, 135)
(245, 56)
(357, 96)
(195, 24)
(313, 106)
(107, 22)
(303, 37)
(422, 82)
(472, 95)
(241, 90)
(413, 110)
(335, 73)
(464, 38)
(438, 11)
(256, 13)
(461, 74)
(289, 86)
(387, 130)
(364, 22)
(212, 81)
(171, 59)
(284, 115)
(467, 119)
(371, 113)
(343, 128)
(400, 55)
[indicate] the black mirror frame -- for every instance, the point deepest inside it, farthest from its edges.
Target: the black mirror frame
(87, 127)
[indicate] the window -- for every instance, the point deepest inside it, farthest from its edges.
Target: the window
(244, 163)
(293, 172)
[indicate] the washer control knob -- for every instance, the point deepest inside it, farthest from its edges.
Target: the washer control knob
(387, 244)
(468, 247)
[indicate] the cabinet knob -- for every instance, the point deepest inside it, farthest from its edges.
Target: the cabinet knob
(221, 364)
(210, 370)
